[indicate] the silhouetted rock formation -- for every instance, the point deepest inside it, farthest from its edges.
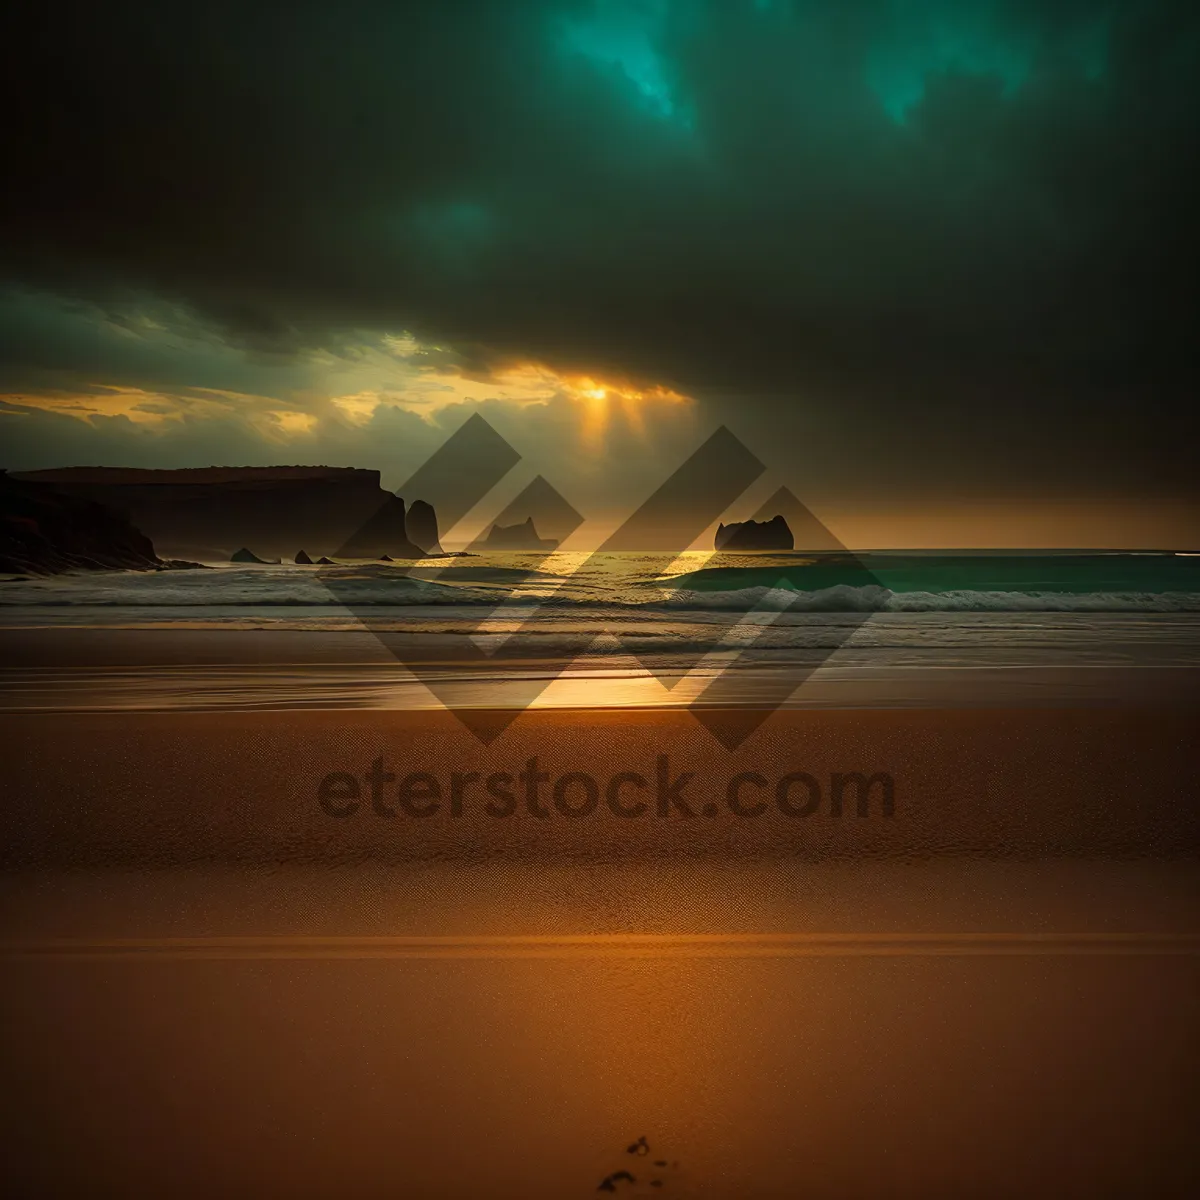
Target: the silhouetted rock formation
(386, 558)
(44, 531)
(248, 556)
(422, 527)
(207, 512)
(325, 562)
(518, 537)
(302, 559)
(755, 535)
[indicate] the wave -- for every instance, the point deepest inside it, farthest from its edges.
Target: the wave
(373, 594)
(1088, 574)
(844, 598)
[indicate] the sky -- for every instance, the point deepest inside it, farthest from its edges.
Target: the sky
(933, 261)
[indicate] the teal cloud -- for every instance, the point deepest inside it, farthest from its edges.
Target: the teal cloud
(910, 211)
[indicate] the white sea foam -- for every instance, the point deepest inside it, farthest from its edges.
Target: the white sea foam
(843, 598)
(372, 588)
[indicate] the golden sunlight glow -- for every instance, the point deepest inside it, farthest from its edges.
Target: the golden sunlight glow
(597, 397)
(391, 371)
(136, 405)
(163, 409)
(358, 407)
(536, 376)
(293, 422)
(427, 386)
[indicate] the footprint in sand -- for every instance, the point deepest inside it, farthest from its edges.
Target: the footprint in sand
(647, 1176)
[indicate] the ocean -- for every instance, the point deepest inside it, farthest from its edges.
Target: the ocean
(886, 628)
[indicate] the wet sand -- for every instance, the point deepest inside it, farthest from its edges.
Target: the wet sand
(214, 987)
(1147, 662)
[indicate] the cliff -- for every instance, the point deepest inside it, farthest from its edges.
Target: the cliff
(755, 535)
(518, 537)
(44, 531)
(209, 512)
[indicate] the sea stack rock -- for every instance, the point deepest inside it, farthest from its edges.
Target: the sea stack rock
(755, 535)
(302, 559)
(246, 556)
(386, 558)
(421, 524)
(518, 537)
(325, 562)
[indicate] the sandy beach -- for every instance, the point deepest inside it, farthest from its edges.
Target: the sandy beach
(146, 789)
(216, 987)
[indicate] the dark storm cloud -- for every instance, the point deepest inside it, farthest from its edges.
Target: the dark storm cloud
(968, 231)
